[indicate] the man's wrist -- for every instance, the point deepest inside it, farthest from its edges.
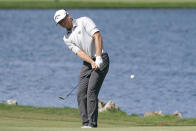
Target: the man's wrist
(91, 61)
(98, 57)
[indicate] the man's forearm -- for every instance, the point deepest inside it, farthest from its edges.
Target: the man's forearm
(84, 56)
(98, 43)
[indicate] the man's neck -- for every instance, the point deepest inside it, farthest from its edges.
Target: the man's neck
(73, 25)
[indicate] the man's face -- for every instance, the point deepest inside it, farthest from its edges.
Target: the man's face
(66, 22)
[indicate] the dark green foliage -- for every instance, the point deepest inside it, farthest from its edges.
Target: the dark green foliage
(17, 4)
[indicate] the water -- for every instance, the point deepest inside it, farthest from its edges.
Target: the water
(157, 46)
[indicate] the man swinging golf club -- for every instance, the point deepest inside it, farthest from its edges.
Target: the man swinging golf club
(84, 39)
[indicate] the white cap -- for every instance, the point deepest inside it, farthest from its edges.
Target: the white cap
(59, 15)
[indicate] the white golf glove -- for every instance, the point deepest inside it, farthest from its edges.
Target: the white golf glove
(98, 61)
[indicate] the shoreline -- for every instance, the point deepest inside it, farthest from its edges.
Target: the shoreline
(46, 4)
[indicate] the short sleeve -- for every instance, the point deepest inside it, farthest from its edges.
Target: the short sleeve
(71, 46)
(90, 26)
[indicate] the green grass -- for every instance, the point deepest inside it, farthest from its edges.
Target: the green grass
(190, 128)
(28, 116)
(45, 4)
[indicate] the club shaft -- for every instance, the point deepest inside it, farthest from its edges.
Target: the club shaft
(88, 74)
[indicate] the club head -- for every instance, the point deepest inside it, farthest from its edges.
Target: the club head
(61, 98)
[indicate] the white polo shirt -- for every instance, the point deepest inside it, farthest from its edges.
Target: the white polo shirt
(80, 38)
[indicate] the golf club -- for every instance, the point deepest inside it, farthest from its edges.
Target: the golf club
(87, 75)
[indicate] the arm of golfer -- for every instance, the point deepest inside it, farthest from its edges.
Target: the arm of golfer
(98, 43)
(86, 58)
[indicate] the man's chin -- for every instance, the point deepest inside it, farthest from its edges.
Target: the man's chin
(69, 29)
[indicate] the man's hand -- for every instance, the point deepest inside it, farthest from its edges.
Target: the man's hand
(86, 58)
(98, 61)
(94, 66)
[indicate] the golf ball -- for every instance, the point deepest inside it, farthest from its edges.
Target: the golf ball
(132, 76)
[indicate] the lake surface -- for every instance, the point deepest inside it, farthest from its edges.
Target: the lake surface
(157, 46)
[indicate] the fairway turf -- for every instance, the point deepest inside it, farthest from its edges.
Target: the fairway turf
(29, 118)
(187, 128)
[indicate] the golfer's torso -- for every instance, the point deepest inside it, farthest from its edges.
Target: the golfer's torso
(81, 38)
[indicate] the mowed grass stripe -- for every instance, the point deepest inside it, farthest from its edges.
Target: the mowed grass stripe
(188, 128)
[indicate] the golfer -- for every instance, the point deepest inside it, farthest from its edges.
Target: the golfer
(84, 39)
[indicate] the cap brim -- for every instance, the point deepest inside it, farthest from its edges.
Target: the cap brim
(59, 21)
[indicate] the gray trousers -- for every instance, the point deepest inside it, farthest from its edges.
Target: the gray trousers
(88, 91)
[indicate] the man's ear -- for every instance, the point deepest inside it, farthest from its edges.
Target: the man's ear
(68, 15)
